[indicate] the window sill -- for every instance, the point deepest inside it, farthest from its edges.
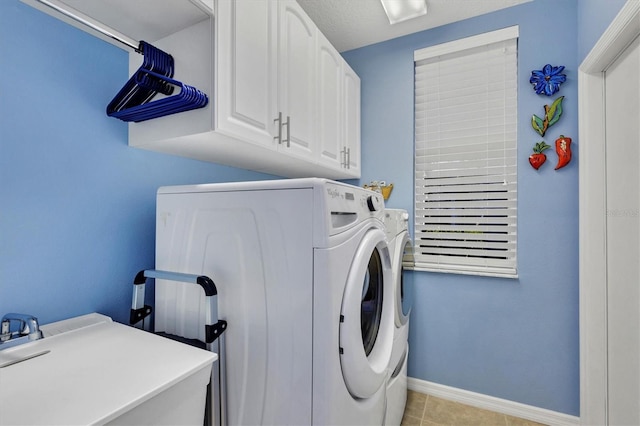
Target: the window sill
(463, 271)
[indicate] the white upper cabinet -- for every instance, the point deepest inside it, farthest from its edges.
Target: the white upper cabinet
(330, 96)
(338, 124)
(351, 116)
(247, 70)
(297, 79)
(281, 99)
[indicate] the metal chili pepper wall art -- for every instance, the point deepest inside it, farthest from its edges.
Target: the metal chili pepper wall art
(563, 149)
(547, 81)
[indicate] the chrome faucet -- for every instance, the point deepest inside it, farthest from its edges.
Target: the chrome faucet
(27, 330)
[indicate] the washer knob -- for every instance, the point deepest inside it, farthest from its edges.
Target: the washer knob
(374, 203)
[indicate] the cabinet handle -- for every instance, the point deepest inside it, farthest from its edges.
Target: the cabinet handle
(278, 120)
(346, 157)
(288, 139)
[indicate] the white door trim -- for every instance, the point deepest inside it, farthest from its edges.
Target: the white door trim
(491, 403)
(593, 212)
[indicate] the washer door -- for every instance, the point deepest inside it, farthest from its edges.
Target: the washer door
(366, 321)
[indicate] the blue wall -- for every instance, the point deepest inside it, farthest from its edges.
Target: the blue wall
(594, 16)
(512, 339)
(77, 212)
(77, 204)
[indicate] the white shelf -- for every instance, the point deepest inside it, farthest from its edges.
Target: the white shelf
(133, 20)
(245, 59)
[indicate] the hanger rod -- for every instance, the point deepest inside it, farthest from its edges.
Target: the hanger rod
(127, 42)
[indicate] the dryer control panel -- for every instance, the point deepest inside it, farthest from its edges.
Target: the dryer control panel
(396, 221)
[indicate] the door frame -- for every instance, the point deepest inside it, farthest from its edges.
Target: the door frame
(593, 211)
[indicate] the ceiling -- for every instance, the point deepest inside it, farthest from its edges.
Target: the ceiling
(350, 24)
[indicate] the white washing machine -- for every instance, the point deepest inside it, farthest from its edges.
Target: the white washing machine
(303, 273)
(401, 250)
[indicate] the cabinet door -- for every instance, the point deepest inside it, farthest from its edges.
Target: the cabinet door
(297, 79)
(352, 119)
(330, 102)
(246, 67)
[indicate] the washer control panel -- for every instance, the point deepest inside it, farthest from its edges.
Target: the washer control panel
(350, 204)
(375, 203)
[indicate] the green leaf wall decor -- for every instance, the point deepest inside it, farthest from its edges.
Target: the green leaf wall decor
(551, 117)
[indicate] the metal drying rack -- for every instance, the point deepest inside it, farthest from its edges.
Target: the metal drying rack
(215, 410)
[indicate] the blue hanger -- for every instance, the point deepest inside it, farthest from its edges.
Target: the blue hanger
(131, 94)
(133, 101)
(187, 99)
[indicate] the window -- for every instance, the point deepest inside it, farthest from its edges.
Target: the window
(465, 155)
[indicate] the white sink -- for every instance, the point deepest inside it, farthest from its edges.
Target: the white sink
(90, 370)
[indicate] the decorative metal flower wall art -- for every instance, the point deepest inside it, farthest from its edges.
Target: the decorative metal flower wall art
(547, 81)
(551, 116)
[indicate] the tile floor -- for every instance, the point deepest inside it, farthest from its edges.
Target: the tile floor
(427, 410)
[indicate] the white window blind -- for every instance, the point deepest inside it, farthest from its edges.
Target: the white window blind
(465, 159)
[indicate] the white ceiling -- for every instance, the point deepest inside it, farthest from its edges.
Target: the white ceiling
(349, 24)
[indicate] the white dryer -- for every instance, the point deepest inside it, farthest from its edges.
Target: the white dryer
(401, 250)
(304, 280)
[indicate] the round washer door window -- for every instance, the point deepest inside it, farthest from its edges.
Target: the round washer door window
(404, 281)
(366, 328)
(371, 304)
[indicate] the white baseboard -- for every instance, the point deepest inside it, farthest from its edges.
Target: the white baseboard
(516, 409)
